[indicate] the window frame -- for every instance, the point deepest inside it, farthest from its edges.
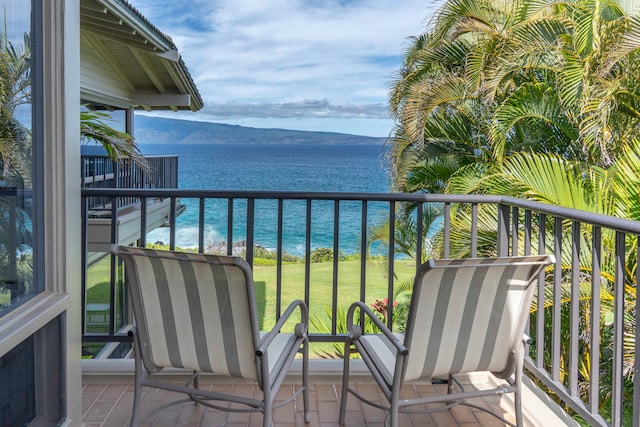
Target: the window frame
(50, 315)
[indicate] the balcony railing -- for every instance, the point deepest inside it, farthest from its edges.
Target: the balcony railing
(583, 318)
(99, 171)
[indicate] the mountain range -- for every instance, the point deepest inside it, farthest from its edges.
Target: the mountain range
(160, 130)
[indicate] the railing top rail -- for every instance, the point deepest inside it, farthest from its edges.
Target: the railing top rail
(146, 156)
(286, 195)
(615, 223)
(619, 224)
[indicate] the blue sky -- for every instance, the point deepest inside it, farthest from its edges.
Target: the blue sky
(321, 65)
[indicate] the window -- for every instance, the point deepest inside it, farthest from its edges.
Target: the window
(17, 247)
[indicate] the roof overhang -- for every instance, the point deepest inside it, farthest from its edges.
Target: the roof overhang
(144, 59)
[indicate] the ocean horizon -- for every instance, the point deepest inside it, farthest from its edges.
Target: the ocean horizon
(275, 167)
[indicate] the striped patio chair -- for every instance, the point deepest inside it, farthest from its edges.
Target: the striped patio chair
(198, 312)
(466, 315)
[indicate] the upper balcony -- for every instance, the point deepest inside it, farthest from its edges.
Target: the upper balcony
(582, 320)
(99, 171)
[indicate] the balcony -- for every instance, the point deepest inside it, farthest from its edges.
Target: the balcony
(99, 171)
(582, 320)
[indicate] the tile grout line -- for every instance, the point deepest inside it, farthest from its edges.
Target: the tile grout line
(114, 404)
(94, 401)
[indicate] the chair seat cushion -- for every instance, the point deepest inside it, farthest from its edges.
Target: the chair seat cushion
(382, 352)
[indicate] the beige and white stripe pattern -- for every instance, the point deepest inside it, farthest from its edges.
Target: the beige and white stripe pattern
(192, 311)
(466, 316)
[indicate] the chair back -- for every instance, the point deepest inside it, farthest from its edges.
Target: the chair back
(469, 315)
(193, 311)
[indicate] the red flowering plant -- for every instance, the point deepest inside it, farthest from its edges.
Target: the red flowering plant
(381, 306)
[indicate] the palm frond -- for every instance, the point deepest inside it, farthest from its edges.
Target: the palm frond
(118, 145)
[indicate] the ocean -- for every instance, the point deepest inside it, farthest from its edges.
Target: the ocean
(276, 167)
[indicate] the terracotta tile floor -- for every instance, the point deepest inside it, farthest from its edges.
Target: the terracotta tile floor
(107, 401)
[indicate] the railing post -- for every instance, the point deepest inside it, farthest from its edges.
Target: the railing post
(515, 228)
(279, 260)
(540, 329)
(201, 225)
(251, 209)
(112, 268)
(596, 258)
(575, 308)
(556, 313)
(527, 232)
(172, 223)
(363, 256)
(618, 330)
(447, 229)
(474, 230)
(307, 254)
(230, 226)
(504, 213)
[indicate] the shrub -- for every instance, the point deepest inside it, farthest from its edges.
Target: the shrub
(323, 325)
(321, 255)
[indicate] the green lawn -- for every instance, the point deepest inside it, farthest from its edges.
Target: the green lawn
(321, 284)
(321, 291)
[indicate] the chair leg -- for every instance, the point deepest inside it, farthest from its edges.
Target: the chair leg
(345, 380)
(196, 384)
(267, 422)
(517, 398)
(393, 413)
(394, 403)
(196, 380)
(137, 389)
(305, 381)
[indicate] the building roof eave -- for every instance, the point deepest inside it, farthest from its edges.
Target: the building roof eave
(143, 56)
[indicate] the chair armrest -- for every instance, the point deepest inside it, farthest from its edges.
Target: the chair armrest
(355, 331)
(300, 329)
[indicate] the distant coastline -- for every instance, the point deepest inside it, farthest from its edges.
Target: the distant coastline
(160, 130)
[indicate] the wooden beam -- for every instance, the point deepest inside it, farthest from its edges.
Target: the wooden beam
(181, 82)
(178, 80)
(148, 68)
(161, 100)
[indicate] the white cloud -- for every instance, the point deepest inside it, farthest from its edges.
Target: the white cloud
(284, 57)
(316, 108)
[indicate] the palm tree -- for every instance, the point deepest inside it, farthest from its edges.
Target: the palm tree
(490, 78)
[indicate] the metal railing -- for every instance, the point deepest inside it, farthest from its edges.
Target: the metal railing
(583, 318)
(99, 171)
